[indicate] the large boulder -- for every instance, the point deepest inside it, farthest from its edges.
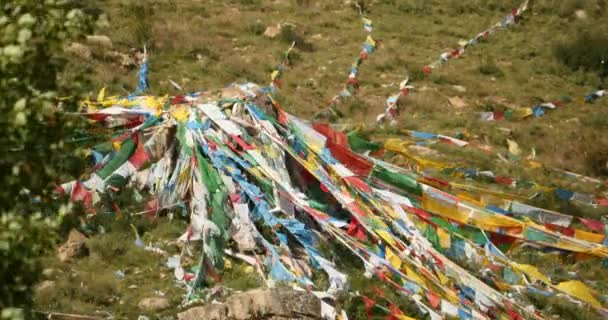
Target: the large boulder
(276, 304)
(75, 247)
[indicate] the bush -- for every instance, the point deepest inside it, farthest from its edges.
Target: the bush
(586, 52)
(491, 69)
(31, 135)
(289, 35)
(22, 241)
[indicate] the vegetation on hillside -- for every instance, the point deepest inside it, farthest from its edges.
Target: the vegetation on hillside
(553, 54)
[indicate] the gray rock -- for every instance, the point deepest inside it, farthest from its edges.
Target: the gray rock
(154, 304)
(213, 311)
(280, 303)
(75, 247)
(99, 41)
(581, 14)
(457, 102)
(459, 88)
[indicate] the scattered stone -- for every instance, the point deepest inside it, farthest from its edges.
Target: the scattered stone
(506, 131)
(124, 60)
(49, 272)
(100, 41)
(79, 50)
(45, 288)
(75, 247)
(154, 304)
(459, 88)
(580, 14)
(457, 102)
(273, 31)
(280, 303)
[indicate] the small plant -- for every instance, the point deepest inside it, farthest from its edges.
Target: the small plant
(586, 52)
(289, 35)
(256, 28)
(142, 28)
(491, 69)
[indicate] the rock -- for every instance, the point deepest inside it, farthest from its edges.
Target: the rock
(580, 14)
(45, 288)
(154, 304)
(317, 36)
(79, 50)
(124, 60)
(75, 247)
(280, 303)
(100, 41)
(457, 102)
(49, 272)
(459, 88)
(213, 311)
(273, 31)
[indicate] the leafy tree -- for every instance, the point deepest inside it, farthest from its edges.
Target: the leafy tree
(33, 34)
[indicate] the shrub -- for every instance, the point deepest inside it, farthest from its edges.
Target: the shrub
(289, 35)
(491, 69)
(22, 241)
(586, 52)
(31, 135)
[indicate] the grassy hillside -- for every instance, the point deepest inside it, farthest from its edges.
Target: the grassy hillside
(205, 45)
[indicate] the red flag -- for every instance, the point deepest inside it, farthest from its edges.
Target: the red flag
(332, 135)
(139, 157)
(369, 305)
(396, 313)
(563, 230)
(593, 224)
(434, 299)
(358, 183)
(355, 229)
(354, 162)
(498, 115)
(603, 202)
(503, 180)
(379, 292)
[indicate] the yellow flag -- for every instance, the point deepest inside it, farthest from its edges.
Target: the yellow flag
(393, 258)
(274, 75)
(513, 147)
(180, 113)
(370, 41)
(385, 236)
(531, 271)
(442, 278)
(579, 290)
(444, 238)
(101, 94)
(589, 236)
(414, 276)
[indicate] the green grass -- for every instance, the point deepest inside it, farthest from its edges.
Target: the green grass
(209, 44)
